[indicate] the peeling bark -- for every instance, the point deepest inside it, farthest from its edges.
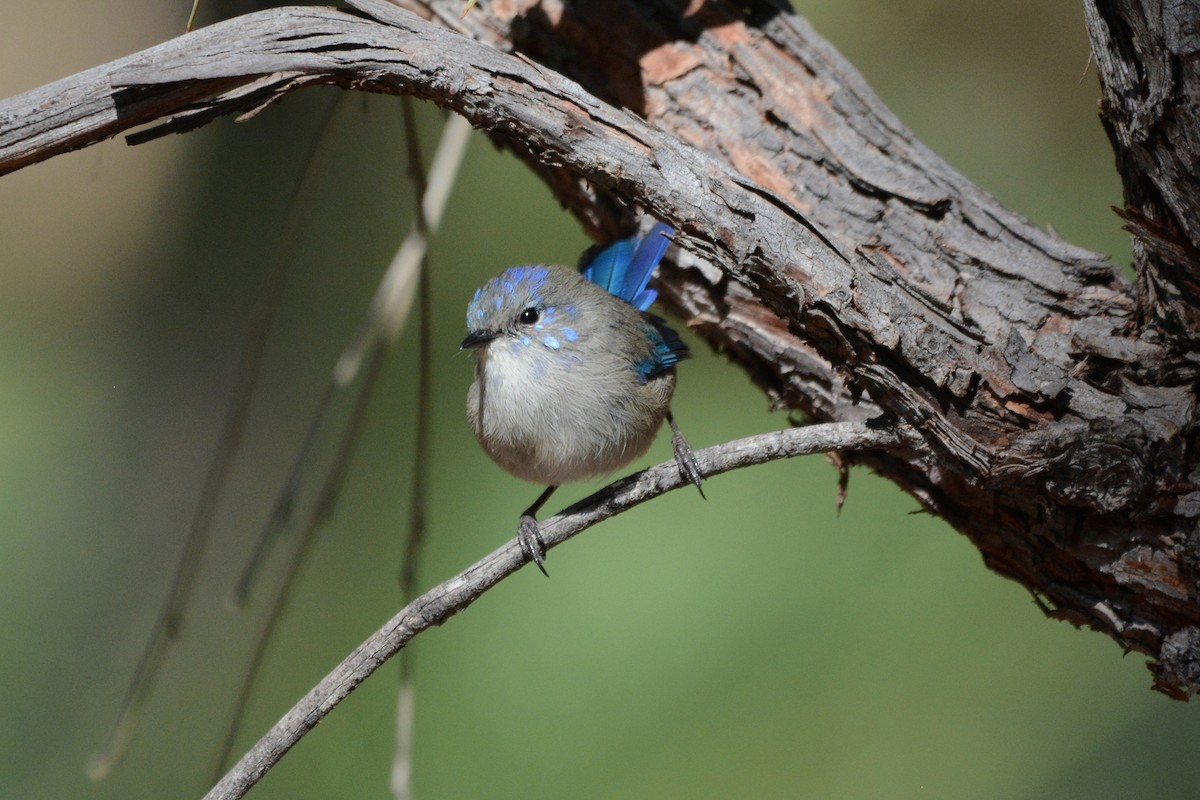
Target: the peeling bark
(847, 268)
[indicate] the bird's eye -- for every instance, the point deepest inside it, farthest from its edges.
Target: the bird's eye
(528, 316)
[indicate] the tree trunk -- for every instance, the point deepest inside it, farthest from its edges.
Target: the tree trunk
(847, 268)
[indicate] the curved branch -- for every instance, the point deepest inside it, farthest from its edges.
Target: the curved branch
(448, 598)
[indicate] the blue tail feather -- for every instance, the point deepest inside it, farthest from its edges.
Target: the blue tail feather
(624, 268)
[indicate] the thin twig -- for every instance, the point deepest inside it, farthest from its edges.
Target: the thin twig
(435, 187)
(233, 427)
(388, 311)
(448, 598)
(416, 526)
(191, 20)
(323, 508)
(400, 779)
(284, 506)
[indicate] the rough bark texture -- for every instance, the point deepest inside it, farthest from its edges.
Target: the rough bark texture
(846, 267)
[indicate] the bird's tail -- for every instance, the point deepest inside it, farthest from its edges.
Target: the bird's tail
(624, 268)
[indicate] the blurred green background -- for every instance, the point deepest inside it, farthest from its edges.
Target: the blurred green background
(754, 645)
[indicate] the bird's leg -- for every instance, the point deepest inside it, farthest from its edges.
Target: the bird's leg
(689, 468)
(527, 531)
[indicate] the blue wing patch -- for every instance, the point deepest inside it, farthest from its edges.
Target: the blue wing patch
(624, 268)
(667, 349)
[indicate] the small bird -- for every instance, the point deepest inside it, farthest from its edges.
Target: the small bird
(573, 378)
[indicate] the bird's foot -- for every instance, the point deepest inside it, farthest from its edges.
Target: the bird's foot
(685, 457)
(531, 542)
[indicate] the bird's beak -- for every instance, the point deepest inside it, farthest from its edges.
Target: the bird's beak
(476, 339)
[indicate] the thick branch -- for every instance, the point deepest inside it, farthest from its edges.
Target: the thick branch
(1148, 56)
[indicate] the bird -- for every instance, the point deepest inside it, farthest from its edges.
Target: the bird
(573, 376)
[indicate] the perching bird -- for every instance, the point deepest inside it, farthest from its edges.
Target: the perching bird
(572, 377)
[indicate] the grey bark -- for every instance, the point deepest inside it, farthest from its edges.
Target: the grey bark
(849, 270)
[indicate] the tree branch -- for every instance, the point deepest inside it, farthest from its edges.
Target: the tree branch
(1149, 64)
(452, 596)
(849, 270)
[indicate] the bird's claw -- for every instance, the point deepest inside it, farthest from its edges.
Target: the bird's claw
(531, 542)
(685, 457)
